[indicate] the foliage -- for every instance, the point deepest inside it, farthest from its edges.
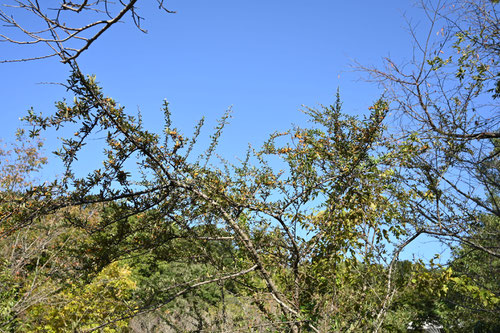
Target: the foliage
(304, 234)
(335, 204)
(26, 250)
(105, 299)
(446, 99)
(474, 295)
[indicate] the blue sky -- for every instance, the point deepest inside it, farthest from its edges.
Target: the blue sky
(264, 58)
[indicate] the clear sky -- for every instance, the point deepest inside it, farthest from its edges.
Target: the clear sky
(265, 58)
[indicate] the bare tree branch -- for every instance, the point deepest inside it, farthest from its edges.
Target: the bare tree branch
(68, 41)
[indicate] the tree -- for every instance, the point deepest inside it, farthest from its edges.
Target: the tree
(33, 24)
(29, 248)
(307, 229)
(82, 306)
(337, 185)
(446, 101)
(474, 297)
